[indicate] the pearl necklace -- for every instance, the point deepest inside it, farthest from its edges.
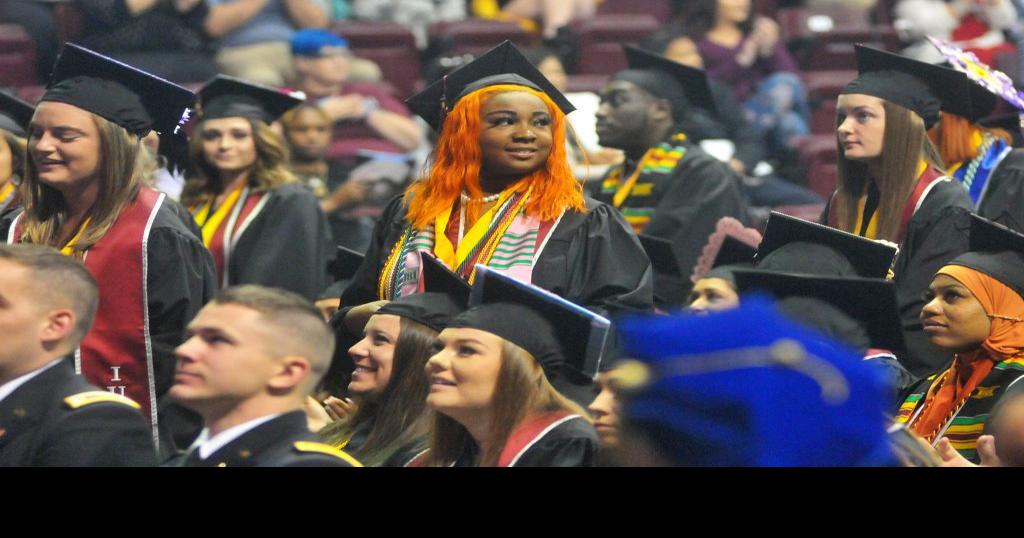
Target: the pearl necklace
(486, 199)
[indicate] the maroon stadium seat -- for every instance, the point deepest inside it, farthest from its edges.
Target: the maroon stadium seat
(31, 93)
(17, 56)
(586, 83)
(823, 119)
(818, 157)
(601, 40)
(661, 9)
(391, 46)
(477, 36)
(69, 20)
(824, 36)
(825, 85)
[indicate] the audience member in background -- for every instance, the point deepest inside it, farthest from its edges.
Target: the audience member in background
(260, 224)
(589, 159)
(975, 310)
(606, 408)
(390, 381)
(418, 15)
(547, 16)
(163, 37)
(891, 181)
(667, 187)
(85, 192)
(37, 19)
(744, 51)
(15, 116)
(49, 415)
(307, 129)
(252, 357)
(973, 25)
(730, 247)
(982, 158)
(747, 149)
(253, 35)
(366, 116)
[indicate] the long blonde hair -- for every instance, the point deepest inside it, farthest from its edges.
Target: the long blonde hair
(269, 172)
(906, 143)
(18, 147)
(522, 390)
(123, 166)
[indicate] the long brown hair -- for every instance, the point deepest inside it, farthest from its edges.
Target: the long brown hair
(399, 415)
(953, 135)
(522, 390)
(269, 172)
(122, 168)
(18, 147)
(905, 145)
(457, 161)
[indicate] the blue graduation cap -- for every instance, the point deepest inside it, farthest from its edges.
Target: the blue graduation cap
(774, 394)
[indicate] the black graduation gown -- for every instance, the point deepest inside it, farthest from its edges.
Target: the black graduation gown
(686, 202)
(286, 245)
(592, 259)
(283, 441)
(1003, 200)
(39, 428)
(573, 443)
(936, 234)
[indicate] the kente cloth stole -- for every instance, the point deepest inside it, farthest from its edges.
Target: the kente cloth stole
(503, 238)
(660, 159)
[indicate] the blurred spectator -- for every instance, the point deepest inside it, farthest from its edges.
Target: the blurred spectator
(254, 35)
(37, 19)
(552, 14)
(589, 160)
(365, 115)
(163, 37)
(743, 50)
(973, 25)
(418, 15)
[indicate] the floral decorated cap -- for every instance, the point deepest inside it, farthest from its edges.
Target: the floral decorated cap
(980, 74)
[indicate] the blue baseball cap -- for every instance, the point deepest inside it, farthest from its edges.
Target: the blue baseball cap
(312, 41)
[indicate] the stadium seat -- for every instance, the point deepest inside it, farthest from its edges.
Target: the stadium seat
(477, 36)
(823, 119)
(661, 9)
(17, 56)
(818, 157)
(601, 39)
(823, 37)
(390, 45)
(586, 83)
(69, 20)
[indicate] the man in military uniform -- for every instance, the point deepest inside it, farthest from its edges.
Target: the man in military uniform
(50, 416)
(252, 357)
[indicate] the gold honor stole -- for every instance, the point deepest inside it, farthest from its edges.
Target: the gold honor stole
(69, 248)
(872, 231)
(210, 223)
(6, 194)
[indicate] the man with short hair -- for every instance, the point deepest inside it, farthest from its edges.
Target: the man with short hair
(252, 357)
(667, 187)
(49, 415)
(365, 115)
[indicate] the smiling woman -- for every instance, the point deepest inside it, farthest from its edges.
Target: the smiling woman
(85, 192)
(500, 192)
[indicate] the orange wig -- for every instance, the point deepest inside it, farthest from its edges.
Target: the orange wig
(953, 135)
(458, 159)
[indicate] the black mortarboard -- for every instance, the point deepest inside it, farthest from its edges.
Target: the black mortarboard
(346, 263)
(439, 278)
(869, 301)
(120, 93)
(870, 259)
(734, 252)
(919, 86)
(15, 115)
(230, 97)
(555, 331)
(503, 64)
(433, 309)
(663, 257)
(692, 82)
(996, 251)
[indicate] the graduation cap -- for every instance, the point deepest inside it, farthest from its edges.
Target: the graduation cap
(437, 277)
(503, 64)
(433, 309)
(663, 257)
(692, 82)
(870, 259)
(15, 115)
(996, 251)
(134, 99)
(734, 252)
(229, 97)
(871, 302)
(749, 387)
(919, 86)
(346, 263)
(557, 332)
(986, 83)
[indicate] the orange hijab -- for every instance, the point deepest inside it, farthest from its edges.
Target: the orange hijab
(1005, 309)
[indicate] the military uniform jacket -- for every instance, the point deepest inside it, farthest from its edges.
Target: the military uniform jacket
(679, 195)
(283, 441)
(44, 423)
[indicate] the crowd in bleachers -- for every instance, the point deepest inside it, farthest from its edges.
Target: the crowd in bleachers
(338, 149)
